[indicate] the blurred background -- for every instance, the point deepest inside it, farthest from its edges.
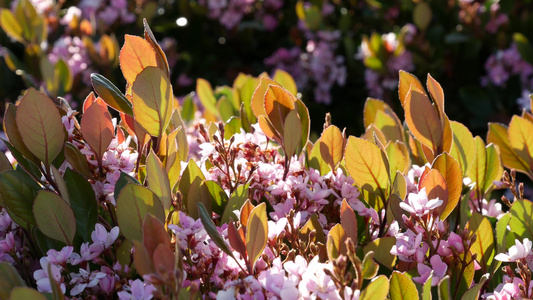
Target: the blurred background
(339, 51)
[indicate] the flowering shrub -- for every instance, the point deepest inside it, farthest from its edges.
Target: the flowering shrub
(228, 198)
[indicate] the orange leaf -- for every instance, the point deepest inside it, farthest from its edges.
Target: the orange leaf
(435, 185)
(258, 97)
(349, 221)
(437, 94)
(246, 209)
(278, 103)
(451, 171)
(406, 81)
(135, 56)
(39, 123)
(423, 120)
(97, 128)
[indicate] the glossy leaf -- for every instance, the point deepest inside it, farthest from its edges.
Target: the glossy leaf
(135, 56)
(498, 135)
(486, 167)
(256, 233)
(83, 203)
(97, 128)
(521, 222)
(54, 217)
(402, 287)
(40, 126)
(377, 289)
(484, 243)
(133, 203)
(451, 172)
(258, 98)
(111, 94)
(368, 166)
(153, 100)
(278, 104)
(158, 180)
(423, 120)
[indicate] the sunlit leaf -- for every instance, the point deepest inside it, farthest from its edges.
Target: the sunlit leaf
(235, 202)
(406, 81)
(463, 149)
(256, 233)
(377, 289)
(11, 26)
(292, 133)
(498, 135)
(54, 217)
(40, 126)
(135, 56)
(158, 180)
(368, 166)
(348, 221)
(153, 100)
(473, 292)
(331, 145)
(451, 172)
(436, 187)
(444, 288)
(206, 96)
(437, 94)
(381, 248)
(198, 193)
(286, 80)
(522, 219)
(160, 56)
(133, 203)
(398, 156)
(402, 287)
(521, 139)
(502, 232)
(484, 243)
(192, 175)
(486, 167)
(316, 159)
(423, 120)
(336, 243)
(97, 128)
(369, 266)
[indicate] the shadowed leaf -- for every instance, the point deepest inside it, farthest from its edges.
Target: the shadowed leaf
(54, 217)
(111, 94)
(83, 203)
(97, 128)
(158, 180)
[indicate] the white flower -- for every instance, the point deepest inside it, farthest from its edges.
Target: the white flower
(519, 251)
(419, 204)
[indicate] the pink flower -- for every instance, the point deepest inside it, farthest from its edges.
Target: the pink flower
(419, 204)
(42, 277)
(137, 290)
(84, 279)
(520, 251)
(103, 239)
(409, 247)
(60, 257)
(438, 269)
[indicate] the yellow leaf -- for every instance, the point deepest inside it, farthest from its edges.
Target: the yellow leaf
(521, 139)
(256, 233)
(406, 81)
(331, 146)
(463, 149)
(498, 135)
(286, 81)
(368, 166)
(153, 100)
(336, 244)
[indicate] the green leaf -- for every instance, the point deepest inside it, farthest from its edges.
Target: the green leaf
(444, 288)
(123, 179)
(381, 248)
(473, 292)
(426, 288)
(235, 202)
(111, 94)
(316, 160)
(11, 26)
(464, 148)
(13, 134)
(256, 233)
(9, 279)
(368, 166)
(522, 219)
(336, 243)
(211, 229)
(54, 217)
(370, 267)
(402, 287)
(83, 203)
(219, 199)
(61, 185)
(498, 135)
(18, 192)
(377, 289)
(158, 180)
(40, 126)
(133, 203)
(26, 293)
(292, 133)
(524, 47)
(77, 160)
(521, 140)
(206, 96)
(502, 233)
(191, 175)
(286, 81)
(153, 100)
(484, 244)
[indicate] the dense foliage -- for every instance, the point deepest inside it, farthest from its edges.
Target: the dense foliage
(228, 197)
